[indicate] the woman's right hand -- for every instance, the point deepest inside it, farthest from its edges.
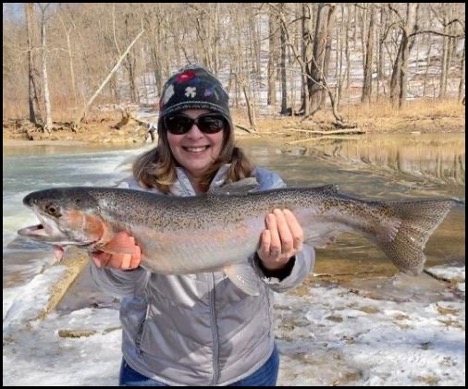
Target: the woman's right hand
(119, 261)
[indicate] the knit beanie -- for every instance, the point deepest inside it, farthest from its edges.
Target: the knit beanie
(194, 87)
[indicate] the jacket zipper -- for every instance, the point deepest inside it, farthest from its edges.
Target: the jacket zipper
(214, 330)
(140, 330)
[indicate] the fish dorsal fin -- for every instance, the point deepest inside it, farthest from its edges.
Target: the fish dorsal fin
(332, 188)
(244, 277)
(243, 186)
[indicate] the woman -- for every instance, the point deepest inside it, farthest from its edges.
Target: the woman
(200, 329)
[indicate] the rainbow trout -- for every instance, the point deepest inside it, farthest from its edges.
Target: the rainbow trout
(219, 231)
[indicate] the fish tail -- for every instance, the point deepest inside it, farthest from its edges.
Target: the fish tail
(418, 220)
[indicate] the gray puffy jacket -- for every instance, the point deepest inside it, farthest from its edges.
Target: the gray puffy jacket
(198, 329)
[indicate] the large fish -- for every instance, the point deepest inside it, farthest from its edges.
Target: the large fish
(219, 231)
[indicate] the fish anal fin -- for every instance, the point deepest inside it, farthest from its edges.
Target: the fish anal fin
(323, 239)
(244, 277)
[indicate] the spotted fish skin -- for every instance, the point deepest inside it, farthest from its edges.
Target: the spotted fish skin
(183, 235)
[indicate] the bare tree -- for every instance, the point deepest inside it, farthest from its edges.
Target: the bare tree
(407, 24)
(273, 46)
(156, 22)
(250, 107)
(116, 66)
(127, 16)
(284, 89)
(347, 48)
(445, 15)
(380, 57)
(321, 55)
(47, 126)
(206, 20)
(306, 52)
(82, 39)
(33, 100)
(461, 84)
(69, 26)
(369, 56)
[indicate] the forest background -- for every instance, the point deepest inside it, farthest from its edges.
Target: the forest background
(334, 65)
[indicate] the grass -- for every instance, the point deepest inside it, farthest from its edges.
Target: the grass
(422, 116)
(425, 115)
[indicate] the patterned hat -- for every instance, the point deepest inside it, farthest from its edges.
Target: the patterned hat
(194, 87)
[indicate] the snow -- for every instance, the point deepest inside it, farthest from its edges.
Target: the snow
(400, 331)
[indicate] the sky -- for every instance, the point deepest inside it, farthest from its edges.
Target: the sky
(400, 330)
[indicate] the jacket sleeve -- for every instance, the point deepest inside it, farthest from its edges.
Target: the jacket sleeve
(119, 283)
(304, 262)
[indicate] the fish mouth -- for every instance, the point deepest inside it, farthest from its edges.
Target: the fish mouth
(36, 230)
(40, 233)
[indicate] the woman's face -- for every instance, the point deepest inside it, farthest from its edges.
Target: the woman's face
(195, 150)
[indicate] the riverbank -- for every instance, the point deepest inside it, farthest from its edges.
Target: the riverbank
(431, 116)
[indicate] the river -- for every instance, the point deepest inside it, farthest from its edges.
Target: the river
(370, 166)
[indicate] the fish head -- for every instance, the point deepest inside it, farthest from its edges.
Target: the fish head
(68, 216)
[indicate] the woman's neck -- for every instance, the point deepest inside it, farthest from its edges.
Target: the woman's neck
(197, 185)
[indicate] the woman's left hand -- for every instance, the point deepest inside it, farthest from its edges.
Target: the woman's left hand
(281, 240)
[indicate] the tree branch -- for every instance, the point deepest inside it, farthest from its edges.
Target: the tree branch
(77, 122)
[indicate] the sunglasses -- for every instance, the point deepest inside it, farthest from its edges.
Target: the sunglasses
(181, 124)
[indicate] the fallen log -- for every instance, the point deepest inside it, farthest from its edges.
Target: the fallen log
(353, 131)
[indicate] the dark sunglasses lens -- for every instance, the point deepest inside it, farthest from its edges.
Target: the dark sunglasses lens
(181, 124)
(211, 124)
(178, 124)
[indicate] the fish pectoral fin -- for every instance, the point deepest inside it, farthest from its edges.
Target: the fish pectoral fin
(244, 277)
(59, 252)
(119, 244)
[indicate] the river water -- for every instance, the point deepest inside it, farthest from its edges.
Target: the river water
(370, 166)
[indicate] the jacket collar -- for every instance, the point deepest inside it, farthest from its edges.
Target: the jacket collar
(183, 187)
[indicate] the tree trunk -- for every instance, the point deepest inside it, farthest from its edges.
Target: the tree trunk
(284, 90)
(426, 72)
(399, 80)
(70, 57)
(250, 108)
(319, 63)
(394, 80)
(130, 64)
(444, 66)
(45, 79)
(306, 26)
(461, 84)
(412, 11)
(272, 57)
(369, 59)
(347, 50)
(33, 100)
(216, 39)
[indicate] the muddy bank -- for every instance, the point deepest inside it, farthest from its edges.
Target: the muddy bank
(23, 142)
(113, 128)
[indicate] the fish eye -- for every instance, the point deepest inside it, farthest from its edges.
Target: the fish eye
(52, 210)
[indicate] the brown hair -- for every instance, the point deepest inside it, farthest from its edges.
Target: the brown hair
(157, 167)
